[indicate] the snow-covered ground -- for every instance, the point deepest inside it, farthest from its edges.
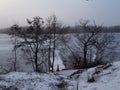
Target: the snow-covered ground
(29, 81)
(107, 79)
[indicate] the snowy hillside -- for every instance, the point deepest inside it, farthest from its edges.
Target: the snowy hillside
(108, 78)
(28, 81)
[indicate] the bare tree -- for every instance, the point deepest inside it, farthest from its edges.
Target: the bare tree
(32, 40)
(14, 29)
(49, 37)
(94, 44)
(105, 48)
(87, 39)
(53, 25)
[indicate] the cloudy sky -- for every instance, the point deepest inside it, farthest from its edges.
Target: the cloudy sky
(68, 11)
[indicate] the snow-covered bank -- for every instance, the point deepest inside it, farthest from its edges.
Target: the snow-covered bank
(106, 79)
(29, 81)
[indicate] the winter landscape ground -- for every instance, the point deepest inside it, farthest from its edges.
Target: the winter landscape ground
(108, 78)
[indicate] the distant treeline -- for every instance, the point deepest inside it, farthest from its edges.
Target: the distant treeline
(69, 29)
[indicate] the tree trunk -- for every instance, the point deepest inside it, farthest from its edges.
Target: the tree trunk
(54, 30)
(53, 56)
(49, 53)
(15, 53)
(36, 60)
(85, 57)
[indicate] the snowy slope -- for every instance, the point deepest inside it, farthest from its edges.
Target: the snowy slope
(106, 79)
(29, 81)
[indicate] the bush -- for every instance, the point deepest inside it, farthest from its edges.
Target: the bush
(62, 85)
(91, 79)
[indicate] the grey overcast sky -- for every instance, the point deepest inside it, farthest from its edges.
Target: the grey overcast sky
(68, 11)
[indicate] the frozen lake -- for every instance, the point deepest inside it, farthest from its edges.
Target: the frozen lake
(5, 42)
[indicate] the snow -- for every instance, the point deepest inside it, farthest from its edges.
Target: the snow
(58, 61)
(107, 79)
(26, 81)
